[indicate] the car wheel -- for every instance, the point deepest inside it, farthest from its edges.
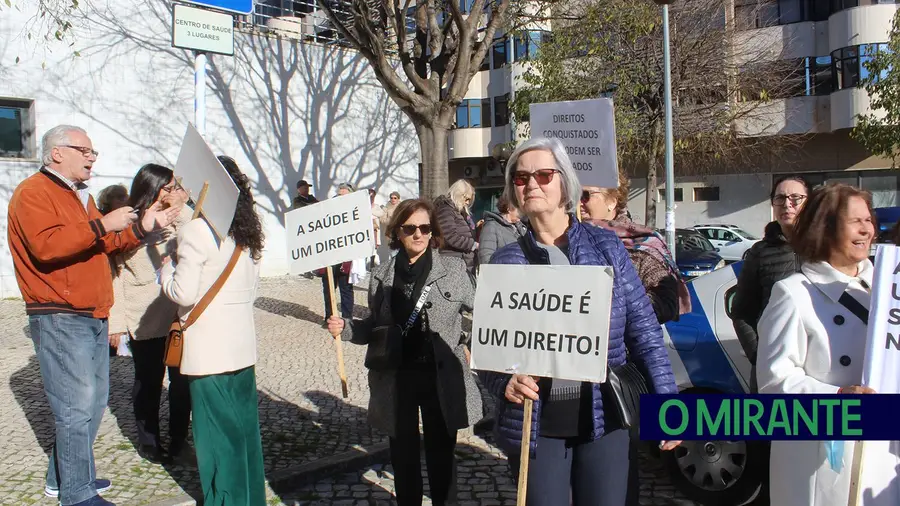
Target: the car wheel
(718, 473)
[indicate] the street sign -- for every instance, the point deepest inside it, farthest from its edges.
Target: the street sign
(235, 6)
(202, 30)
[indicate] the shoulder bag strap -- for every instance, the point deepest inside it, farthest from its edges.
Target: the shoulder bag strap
(854, 306)
(214, 289)
(419, 305)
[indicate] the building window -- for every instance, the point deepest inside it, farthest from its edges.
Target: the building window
(501, 110)
(751, 14)
(465, 6)
(706, 194)
(819, 79)
(848, 64)
(527, 44)
(17, 129)
(679, 194)
(499, 53)
(474, 113)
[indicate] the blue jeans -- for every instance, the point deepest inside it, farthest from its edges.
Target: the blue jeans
(344, 287)
(73, 352)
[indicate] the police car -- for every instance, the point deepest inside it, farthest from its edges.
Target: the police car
(707, 358)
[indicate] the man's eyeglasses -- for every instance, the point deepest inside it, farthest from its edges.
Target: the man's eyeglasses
(586, 195)
(84, 150)
(541, 177)
(795, 198)
(411, 229)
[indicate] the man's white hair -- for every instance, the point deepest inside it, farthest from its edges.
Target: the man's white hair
(55, 137)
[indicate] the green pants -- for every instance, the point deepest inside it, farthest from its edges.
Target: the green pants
(226, 437)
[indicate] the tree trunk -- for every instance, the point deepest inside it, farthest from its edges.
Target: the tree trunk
(652, 164)
(434, 174)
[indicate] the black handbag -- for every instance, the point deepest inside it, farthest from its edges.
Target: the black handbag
(385, 350)
(624, 386)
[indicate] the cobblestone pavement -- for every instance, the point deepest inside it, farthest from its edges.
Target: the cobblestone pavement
(302, 416)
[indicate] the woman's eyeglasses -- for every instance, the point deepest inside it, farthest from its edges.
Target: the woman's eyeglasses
(541, 177)
(411, 229)
(796, 199)
(586, 195)
(171, 188)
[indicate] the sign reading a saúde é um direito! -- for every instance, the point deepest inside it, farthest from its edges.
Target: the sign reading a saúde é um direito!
(587, 130)
(202, 30)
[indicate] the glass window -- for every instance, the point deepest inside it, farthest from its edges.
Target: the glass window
(706, 194)
(679, 194)
(727, 236)
(474, 113)
(746, 234)
(501, 110)
(707, 232)
(499, 53)
(462, 114)
(822, 80)
(486, 62)
(411, 20)
(16, 129)
(884, 187)
(485, 112)
(791, 11)
(526, 44)
(466, 6)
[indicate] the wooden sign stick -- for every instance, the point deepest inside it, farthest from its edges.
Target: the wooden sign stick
(337, 337)
(198, 206)
(856, 473)
(525, 453)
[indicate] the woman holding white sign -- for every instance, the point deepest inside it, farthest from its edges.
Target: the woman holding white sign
(578, 448)
(416, 353)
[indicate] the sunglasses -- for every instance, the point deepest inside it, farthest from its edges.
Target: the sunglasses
(411, 229)
(541, 177)
(586, 195)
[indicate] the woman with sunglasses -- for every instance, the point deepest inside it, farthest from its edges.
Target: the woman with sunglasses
(577, 447)
(766, 263)
(145, 314)
(416, 301)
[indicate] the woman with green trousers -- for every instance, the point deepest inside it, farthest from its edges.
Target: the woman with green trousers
(220, 350)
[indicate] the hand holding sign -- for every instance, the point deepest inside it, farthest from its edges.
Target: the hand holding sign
(521, 387)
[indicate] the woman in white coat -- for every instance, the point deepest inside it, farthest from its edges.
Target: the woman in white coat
(220, 350)
(811, 341)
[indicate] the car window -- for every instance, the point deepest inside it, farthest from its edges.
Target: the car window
(746, 235)
(709, 233)
(728, 236)
(692, 242)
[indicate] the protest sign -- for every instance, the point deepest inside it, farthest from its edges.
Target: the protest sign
(543, 320)
(881, 368)
(588, 131)
(330, 232)
(198, 166)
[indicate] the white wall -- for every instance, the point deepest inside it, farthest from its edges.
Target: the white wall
(284, 110)
(743, 201)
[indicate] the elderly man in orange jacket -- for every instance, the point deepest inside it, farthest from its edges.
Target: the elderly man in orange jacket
(59, 243)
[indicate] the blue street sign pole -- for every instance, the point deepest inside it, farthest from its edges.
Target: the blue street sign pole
(200, 92)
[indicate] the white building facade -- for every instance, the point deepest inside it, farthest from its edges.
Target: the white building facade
(286, 107)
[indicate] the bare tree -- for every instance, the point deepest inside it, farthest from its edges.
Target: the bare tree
(52, 21)
(725, 83)
(426, 72)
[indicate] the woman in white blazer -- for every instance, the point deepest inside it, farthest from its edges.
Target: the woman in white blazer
(145, 314)
(220, 350)
(812, 343)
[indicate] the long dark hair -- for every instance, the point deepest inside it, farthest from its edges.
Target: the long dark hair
(147, 183)
(246, 229)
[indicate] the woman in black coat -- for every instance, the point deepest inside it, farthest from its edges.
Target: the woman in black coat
(766, 263)
(455, 219)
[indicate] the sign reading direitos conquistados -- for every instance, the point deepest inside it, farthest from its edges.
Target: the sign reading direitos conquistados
(587, 130)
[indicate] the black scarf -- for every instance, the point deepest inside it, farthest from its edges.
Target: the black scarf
(402, 305)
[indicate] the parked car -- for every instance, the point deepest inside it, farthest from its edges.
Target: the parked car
(731, 240)
(707, 357)
(695, 254)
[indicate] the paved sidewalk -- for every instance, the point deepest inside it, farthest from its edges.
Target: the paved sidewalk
(304, 420)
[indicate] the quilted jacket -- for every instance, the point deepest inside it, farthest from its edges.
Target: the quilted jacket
(633, 325)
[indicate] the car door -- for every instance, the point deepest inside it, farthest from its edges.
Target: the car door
(711, 234)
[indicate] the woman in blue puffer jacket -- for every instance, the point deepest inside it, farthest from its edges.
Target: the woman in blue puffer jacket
(578, 450)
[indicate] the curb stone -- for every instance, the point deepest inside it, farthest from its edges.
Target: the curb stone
(309, 472)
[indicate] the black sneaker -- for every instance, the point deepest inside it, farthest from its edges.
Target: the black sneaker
(95, 501)
(155, 454)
